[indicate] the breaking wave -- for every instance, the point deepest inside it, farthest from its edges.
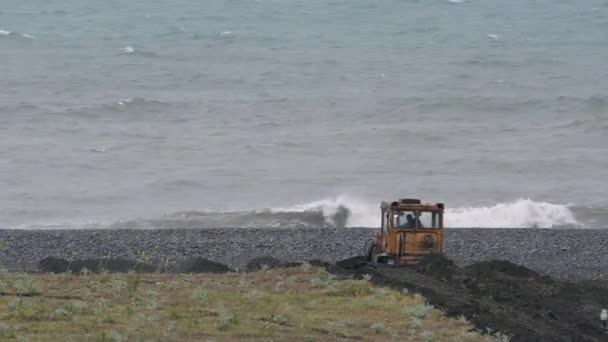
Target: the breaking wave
(344, 212)
(523, 213)
(7, 33)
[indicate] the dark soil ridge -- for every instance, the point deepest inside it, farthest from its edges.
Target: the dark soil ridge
(117, 265)
(185, 265)
(497, 295)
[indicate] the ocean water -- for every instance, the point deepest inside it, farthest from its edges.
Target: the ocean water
(234, 113)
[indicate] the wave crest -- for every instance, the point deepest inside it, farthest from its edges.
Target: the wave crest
(523, 213)
(344, 212)
(7, 33)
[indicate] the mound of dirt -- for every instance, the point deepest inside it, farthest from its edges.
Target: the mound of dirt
(53, 265)
(500, 266)
(319, 263)
(438, 266)
(499, 295)
(268, 262)
(352, 263)
(99, 265)
(110, 266)
(198, 265)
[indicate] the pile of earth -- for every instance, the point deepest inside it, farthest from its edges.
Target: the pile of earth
(499, 296)
(108, 265)
(268, 262)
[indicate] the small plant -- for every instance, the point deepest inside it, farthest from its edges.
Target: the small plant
(280, 318)
(419, 311)
(377, 328)
(133, 284)
(175, 284)
(318, 283)
(80, 307)
(15, 308)
(500, 337)
(146, 317)
(115, 336)
(102, 266)
(226, 319)
(200, 295)
(164, 264)
(427, 336)
(85, 292)
(26, 287)
(174, 315)
(380, 292)
(414, 323)
(252, 296)
(193, 322)
(291, 281)
(62, 314)
(143, 258)
(342, 324)
(462, 319)
(100, 310)
(369, 301)
(7, 331)
(367, 277)
(306, 266)
(151, 299)
(118, 284)
(243, 283)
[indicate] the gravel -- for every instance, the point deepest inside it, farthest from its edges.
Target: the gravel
(566, 254)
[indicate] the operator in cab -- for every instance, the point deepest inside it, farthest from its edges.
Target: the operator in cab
(411, 222)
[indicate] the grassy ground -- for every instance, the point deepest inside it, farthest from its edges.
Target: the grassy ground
(295, 304)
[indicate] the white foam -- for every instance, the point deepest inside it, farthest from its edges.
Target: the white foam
(493, 36)
(125, 101)
(522, 213)
(362, 214)
(128, 50)
(11, 33)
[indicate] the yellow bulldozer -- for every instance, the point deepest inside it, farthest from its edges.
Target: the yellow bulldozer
(409, 231)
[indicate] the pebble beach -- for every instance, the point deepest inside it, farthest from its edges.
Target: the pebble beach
(564, 254)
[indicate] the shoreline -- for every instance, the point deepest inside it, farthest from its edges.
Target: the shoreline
(564, 254)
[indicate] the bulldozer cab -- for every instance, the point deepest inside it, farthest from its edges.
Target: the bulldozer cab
(409, 231)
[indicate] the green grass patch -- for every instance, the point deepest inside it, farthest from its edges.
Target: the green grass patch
(295, 304)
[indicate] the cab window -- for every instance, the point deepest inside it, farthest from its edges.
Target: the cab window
(384, 223)
(404, 219)
(429, 220)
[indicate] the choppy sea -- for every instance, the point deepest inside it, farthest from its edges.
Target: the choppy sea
(185, 113)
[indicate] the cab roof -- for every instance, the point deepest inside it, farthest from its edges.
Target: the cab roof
(408, 204)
